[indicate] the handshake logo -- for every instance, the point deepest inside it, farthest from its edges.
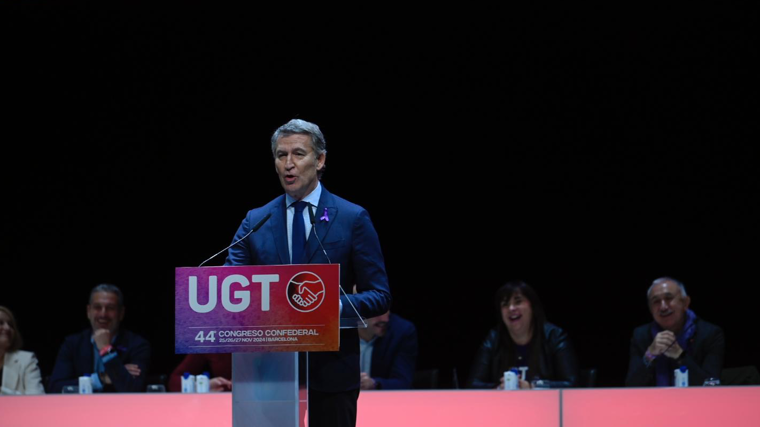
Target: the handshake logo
(306, 291)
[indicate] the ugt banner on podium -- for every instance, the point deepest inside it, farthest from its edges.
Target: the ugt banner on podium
(257, 308)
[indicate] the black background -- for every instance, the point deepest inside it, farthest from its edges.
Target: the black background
(586, 152)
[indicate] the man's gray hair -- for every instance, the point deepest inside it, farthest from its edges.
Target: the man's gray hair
(664, 279)
(106, 287)
(302, 127)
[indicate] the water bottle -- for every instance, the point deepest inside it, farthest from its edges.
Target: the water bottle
(85, 384)
(681, 377)
(202, 383)
(510, 380)
(188, 383)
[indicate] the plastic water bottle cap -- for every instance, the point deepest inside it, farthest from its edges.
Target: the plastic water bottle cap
(683, 368)
(186, 375)
(206, 374)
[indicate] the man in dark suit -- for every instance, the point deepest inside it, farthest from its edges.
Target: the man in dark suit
(341, 233)
(676, 337)
(116, 359)
(388, 353)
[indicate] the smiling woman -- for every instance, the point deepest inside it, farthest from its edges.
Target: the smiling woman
(18, 369)
(524, 339)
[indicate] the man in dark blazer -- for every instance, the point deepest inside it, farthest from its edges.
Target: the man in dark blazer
(676, 337)
(116, 359)
(347, 238)
(388, 353)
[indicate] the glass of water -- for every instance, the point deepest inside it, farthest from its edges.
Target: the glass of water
(712, 382)
(70, 389)
(156, 388)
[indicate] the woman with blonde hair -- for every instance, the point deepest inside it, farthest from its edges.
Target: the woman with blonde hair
(18, 369)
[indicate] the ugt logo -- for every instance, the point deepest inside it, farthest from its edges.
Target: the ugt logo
(305, 291)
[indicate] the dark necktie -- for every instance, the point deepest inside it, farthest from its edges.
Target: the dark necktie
(298, 237)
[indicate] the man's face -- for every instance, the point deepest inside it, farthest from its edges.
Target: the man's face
(297, 165)
(104, 311)
(379, 325)
(668, 306)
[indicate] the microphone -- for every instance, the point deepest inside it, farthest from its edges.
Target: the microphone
(314, 228)
(253, 230)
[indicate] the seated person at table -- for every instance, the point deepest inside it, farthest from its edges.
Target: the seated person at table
(388, 353)
(219, 367)
(18, 369)
(116, 359)
(676, 337)
(523, 338)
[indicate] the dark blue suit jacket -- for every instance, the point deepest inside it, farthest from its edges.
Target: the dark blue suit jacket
(394, 356)
(704, 359)
(350, 239)
(76, 359)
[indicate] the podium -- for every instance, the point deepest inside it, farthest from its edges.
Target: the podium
(269, 318)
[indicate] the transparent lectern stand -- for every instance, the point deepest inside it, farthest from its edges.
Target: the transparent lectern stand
(271, 389)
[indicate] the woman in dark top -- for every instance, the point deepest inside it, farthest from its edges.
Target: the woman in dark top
(523, 338)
